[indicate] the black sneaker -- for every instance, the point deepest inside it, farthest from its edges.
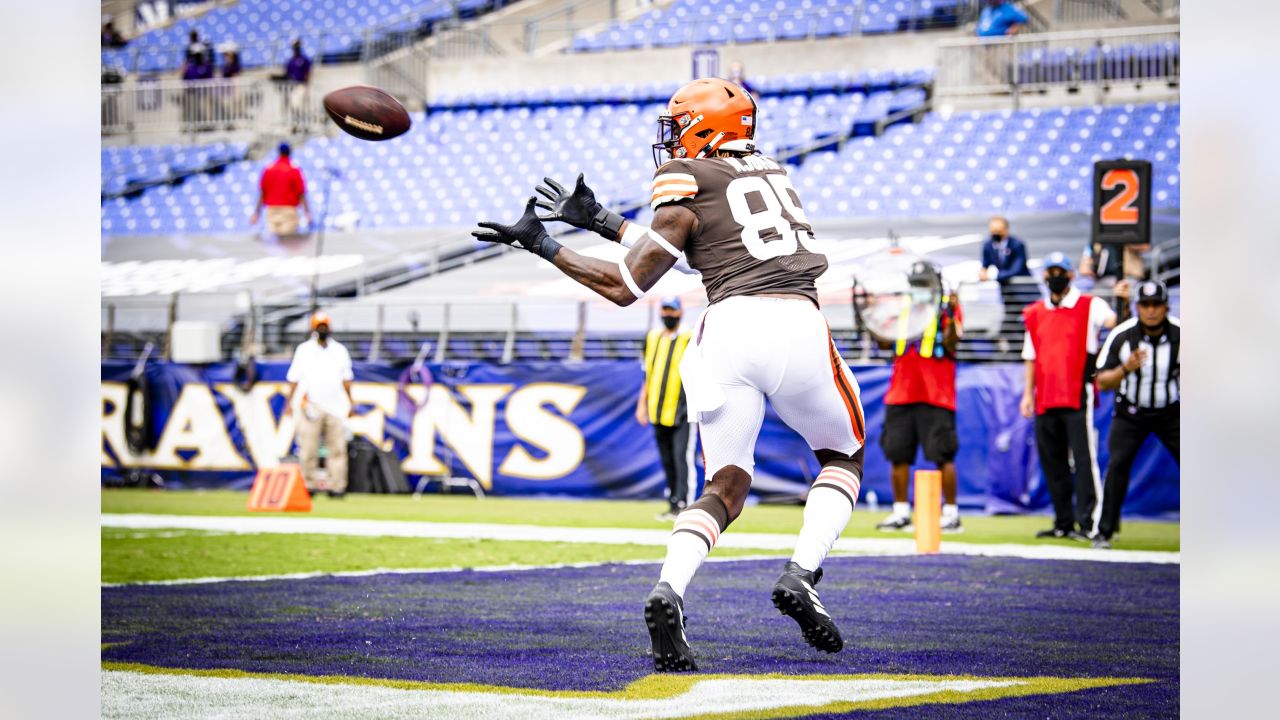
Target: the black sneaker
(1077, 536)
(952, 525)
(896, 522)
(1101, 543)
(795, 597)
(337, 494)
(1055, 533)
(664, 614)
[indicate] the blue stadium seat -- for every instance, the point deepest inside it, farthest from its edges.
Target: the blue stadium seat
(746, 21)
(1037, 159)
(330, 29)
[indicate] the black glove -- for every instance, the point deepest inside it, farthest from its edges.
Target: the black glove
(579, 208)
(528, 233)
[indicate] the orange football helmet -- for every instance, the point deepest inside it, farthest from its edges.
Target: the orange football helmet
(706, 115)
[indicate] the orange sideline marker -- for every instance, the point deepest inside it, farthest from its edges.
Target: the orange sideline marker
(279, 488)
(928, 511)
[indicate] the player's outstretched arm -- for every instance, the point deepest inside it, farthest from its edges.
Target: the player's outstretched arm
(623, 282)
(648, 260)
(580, 209)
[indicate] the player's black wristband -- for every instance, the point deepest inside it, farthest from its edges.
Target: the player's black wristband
(607, 224)
(548, 248)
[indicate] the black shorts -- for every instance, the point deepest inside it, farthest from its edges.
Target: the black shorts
(907, 427)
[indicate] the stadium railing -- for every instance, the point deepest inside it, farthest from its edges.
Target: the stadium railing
(1072, 59)
(394, 329)
(1096, 11)
(1166, 262)
(658, 29)
(139, 106)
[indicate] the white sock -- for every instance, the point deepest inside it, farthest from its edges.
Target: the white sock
(949, 511)
(901, 509)
(695, 533)
(826, 513)
(685, 554)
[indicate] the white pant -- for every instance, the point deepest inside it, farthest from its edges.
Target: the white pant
(749, 348)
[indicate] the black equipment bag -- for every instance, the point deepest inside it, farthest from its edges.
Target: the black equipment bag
(391, 475)
(139, 425)
(373, 470)
(363, 473)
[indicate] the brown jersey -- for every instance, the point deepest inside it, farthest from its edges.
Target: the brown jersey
(751, 229)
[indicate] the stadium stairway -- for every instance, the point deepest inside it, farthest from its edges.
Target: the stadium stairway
(130, 170)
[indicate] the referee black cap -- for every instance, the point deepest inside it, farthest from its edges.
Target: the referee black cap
(1153, 291)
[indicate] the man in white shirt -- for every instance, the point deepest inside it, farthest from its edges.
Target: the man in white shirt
(321, 368)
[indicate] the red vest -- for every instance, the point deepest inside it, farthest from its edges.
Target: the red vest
(1060, 339)
(922, 380)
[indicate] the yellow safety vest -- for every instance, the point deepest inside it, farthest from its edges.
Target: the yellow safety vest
(662, 356)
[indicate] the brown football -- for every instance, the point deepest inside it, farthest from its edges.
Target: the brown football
(367, 112)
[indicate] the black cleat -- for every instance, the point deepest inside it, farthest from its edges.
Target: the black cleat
(795, 597)
(664, 614)
(1055, 534)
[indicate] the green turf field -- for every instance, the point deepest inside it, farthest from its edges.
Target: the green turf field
(134, 555)
(141, 555)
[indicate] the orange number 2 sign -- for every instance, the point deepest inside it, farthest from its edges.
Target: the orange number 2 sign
(1120, 210)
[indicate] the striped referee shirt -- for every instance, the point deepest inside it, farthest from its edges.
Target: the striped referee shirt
(1156, 383)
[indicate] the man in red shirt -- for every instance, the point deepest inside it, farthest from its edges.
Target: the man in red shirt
(282, 190)
(1060, 346)
(920, 411)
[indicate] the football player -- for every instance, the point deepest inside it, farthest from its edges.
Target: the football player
(737, 219)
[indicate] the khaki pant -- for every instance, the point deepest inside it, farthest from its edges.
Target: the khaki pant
(282, 219)
(335, 439)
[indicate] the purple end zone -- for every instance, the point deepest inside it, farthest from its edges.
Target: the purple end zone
(582, 628)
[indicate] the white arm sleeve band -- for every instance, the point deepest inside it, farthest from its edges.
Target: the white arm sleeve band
(632, 234)
(635, 232)
(630, 281)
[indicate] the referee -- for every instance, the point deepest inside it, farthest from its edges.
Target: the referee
(1140, 362)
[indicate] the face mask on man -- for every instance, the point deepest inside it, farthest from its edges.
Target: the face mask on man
(671, 321)
(1058, 284)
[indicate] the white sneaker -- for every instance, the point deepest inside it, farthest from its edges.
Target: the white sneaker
(896, 522)
(952, 524)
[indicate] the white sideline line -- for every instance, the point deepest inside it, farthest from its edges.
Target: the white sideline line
(605, 536)
(127, 694)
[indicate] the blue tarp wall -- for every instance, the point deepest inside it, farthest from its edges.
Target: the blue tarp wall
(568, 429)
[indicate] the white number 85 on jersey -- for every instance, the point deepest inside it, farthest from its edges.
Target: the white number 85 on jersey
(768, 233)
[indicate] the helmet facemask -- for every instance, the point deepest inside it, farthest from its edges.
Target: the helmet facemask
(668, 145)
(671, 131)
